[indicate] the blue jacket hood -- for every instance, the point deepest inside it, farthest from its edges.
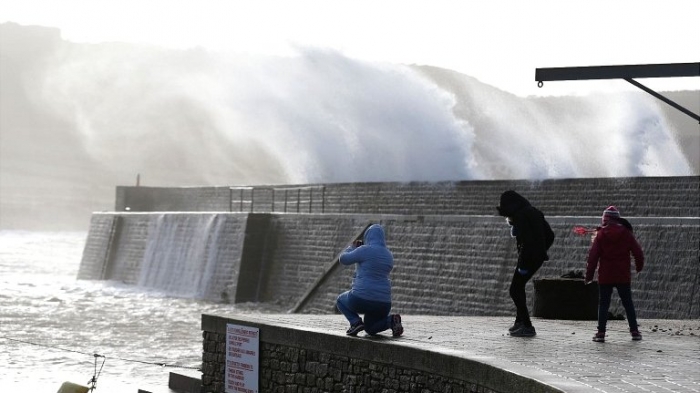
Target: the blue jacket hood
(374, 236)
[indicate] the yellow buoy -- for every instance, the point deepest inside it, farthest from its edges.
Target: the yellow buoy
(68, 387)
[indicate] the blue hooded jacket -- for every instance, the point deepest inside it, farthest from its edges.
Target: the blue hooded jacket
(373, 262)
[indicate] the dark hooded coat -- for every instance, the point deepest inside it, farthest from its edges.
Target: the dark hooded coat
(533, 234)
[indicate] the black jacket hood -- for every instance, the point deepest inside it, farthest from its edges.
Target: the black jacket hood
(510, 203)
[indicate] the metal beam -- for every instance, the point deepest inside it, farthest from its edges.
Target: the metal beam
(618, 72)
(626, 72)
(664, 99)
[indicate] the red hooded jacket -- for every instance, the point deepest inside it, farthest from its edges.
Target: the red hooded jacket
(610, 253)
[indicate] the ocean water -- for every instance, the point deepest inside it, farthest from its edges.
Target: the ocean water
(52, 325)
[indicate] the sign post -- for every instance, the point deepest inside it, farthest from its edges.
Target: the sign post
(242, 359)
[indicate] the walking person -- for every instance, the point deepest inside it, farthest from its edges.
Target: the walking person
(610, 253)
(533, 237)
(370, 293)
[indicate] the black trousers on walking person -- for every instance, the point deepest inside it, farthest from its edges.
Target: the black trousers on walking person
(517, 293)
(605, 293)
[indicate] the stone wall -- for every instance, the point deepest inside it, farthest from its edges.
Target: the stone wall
(98, 246)
(168, 199)
(296, 360)
(300, 249)
(637, 197)
(444, 265)
(463, 266)
(453, 256)
(186, 254)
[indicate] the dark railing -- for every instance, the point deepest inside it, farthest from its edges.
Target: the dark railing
(263, 199)
(241, 199)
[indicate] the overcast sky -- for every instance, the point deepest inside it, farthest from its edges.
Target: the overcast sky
(496, 41)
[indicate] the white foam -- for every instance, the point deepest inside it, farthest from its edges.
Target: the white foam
(197, 116)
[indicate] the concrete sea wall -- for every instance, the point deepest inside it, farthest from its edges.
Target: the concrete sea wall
(445, 265)
(303, 360)
(186, 254)
(278, 245)
(636, 196)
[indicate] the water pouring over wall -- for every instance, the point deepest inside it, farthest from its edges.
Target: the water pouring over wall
(181, 254)
(189, 255)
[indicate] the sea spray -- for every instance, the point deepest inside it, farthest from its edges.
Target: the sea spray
(324, 117)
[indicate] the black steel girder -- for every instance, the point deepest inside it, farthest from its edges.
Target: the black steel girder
(626, 72)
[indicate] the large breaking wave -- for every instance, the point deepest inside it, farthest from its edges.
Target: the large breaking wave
(323, 117)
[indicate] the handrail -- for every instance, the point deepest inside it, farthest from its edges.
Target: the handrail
(241, 189)
(291, 202)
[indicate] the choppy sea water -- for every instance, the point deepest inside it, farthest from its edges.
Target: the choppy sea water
(52, 325)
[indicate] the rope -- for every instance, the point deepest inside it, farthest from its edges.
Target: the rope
(93, 381)
(160, 364)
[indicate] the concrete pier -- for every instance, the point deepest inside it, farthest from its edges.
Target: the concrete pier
(311, 353)
(454, 259)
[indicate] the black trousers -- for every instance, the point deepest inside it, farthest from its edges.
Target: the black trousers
(605, 293)
(517, 293)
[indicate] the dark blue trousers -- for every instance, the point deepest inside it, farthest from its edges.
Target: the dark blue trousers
(377, 317)
(605, 294)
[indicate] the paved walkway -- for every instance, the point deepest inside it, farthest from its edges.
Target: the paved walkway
(561, 355)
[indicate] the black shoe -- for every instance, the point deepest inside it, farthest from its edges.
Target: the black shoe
(355, 328)
(524, 331)
(517, 325)
(396, 326)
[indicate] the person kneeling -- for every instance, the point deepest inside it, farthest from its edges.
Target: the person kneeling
(370, 293)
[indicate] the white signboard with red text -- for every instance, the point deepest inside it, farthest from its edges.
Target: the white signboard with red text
(242, 359)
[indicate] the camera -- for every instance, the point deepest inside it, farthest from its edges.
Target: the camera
(358, 243)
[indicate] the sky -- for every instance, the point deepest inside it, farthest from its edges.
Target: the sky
(499, 42)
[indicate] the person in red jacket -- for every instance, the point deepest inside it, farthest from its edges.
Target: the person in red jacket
(610, 253)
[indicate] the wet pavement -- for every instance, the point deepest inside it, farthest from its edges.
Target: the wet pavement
(561, 355)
